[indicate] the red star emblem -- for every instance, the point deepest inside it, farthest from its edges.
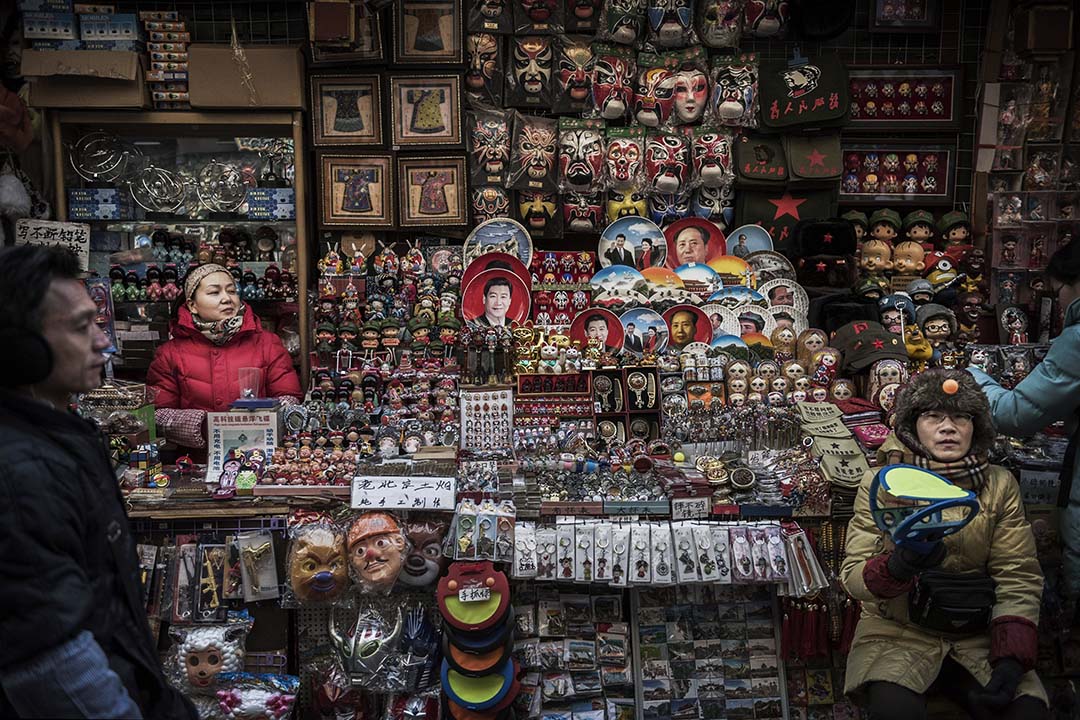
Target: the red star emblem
(821, 267)
(816, 158)
(879, 344)
(787, 205)
(827, 238)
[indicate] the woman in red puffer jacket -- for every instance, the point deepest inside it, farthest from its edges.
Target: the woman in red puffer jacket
(198, 371)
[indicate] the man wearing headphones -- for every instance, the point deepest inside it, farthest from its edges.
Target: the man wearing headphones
(75, 637)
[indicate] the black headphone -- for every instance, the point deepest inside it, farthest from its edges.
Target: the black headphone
(25, 357)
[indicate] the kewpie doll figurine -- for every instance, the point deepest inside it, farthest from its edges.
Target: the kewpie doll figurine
(909, 258)
(876, 257)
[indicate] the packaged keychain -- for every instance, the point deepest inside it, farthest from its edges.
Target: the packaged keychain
(620, 556)
(640, 555)
(486, 530)
(258, 566)
(759, 552)
(505, 517)
(547, 553)
(602, 553)
(464, 531)
(707, 566)
(583, 553)
(686, 560)
(566, 552)
(722, 552)
(663, 554)
(525, 557)
(777, 553)
(741, 555)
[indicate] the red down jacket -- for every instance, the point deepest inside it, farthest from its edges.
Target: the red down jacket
(190, 372)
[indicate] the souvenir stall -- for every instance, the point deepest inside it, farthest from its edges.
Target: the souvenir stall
(599, 311)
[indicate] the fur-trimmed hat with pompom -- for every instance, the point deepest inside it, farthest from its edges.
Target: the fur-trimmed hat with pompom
(925, 393)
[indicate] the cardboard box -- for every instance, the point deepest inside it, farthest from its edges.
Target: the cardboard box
(277, 73)
(85, 78)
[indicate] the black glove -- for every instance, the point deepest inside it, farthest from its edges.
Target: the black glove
(1000, 690)
(904, 563)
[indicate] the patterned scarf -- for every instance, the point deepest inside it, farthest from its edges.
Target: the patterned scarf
(969, 472)
(220, 332)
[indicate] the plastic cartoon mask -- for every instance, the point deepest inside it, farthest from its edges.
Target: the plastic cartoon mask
(712, 158)
(623, 162)
(667, 208)
(734, 93)
(377, 550)
(667, 162)
(655, 96)
(490, 202)
(203, 652)
(623, 203)
(536, 147)
(691, 95)
(317, 567)
(720, 22)
(670, 21)
(536, 209)
(425, 561)
(581, 159)
(613, 87)
(767, 18)
(576, 69)
(582, 212)
(532, 64)
(482, 57)
(491, 143)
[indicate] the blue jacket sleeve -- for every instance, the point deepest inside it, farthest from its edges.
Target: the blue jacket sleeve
(1049, 394)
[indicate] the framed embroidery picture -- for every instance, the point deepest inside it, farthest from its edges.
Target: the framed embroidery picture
(900, 172)
(425, 110)
(356, 190)
(427, 32)
(346, 110)
(911, 98)
(919, 16)
(432, 191)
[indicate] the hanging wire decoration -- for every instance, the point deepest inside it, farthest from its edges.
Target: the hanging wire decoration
(221, 186)
(101, 157)
(159, 190)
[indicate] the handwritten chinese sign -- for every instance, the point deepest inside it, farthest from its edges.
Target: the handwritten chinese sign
(690, 508)
(403, 492)
(73, 236)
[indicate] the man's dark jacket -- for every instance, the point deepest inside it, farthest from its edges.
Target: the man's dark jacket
(67, 558)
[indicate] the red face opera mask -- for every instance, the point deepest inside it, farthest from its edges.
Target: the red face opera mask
(623, 162)
(667, 162)
(613, 88)
(712, 158)
(536, 148)
(655, 96)
(581, 159)
(691, 95)
(532, 64)
(582, 212)
(576, 68)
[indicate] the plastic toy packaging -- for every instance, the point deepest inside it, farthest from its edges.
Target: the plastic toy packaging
(1016, 364)
(490, 16)
(505, 517)
(258, 566)
(667, 162)
(540, 17)
(369, 647)
(1041, 170)
(620, 556)
(613, 82)
(489, 145)
(720, 22)
(412, 707)
(581, 155)
(671, 23)
(766, 18)
(377, 551)
(246, 695)
(529, 82)
(735, 91)
(623, 21)
(583, 212)
(524, 563)
(484, 76)
(316, 563)
(985, 357)
(546, 553)
(533, 154)
(575, 68)
(202, 652)
(425, 561)
(712, 157)
(460, 542)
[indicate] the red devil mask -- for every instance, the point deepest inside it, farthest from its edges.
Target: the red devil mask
(613, 86)
(712, 158)
(576, 68)
(581, 159)
(667, 163)
(655, 96)
(623, 162)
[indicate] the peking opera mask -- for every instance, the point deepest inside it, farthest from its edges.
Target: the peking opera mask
(582, 212)
(671, 22)
(691, 95)
(489, 16)
(624, 20)
(613, 85)
(583, 15)
(581, 159)
(576, 68)
(490, 136)
(377, 551)
(318, 567)
(667, 162)
(482, 58)
(623, 161)
(720, 22)
(621, 204)
(533, 57)
(539, 12)
(712, 158)
(667, 208)
(537, 209)
(655, 96)
(489, 203)
(715, 204)
(734, 93)
(767, 18)
(536, 147)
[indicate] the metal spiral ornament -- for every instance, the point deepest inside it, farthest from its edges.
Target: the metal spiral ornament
(101, 157)
(158, 190)
(221, 187)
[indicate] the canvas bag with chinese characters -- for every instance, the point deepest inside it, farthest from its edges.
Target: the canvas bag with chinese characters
(803, 93)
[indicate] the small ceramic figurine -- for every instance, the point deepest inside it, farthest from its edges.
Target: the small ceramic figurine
(885, 225)
(1014, 323)
(919, 226)
(876, 257)
(954, 229)
(908, 257)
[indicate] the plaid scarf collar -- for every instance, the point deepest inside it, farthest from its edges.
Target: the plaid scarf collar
(970, 472)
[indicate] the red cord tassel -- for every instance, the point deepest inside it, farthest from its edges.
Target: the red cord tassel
(809, 632)
(821, 647)
(785, 631)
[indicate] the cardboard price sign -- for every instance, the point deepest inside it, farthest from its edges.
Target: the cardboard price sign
(73, 236)
(690, 508)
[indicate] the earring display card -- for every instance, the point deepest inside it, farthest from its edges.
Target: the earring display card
(707, 651)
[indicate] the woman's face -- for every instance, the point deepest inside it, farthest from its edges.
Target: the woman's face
(215, 298)
(946, 436)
